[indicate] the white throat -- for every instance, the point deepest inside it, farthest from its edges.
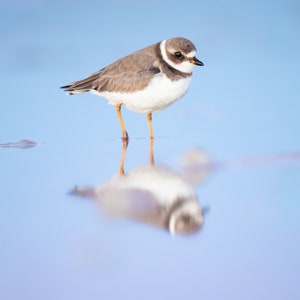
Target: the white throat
(185, 66)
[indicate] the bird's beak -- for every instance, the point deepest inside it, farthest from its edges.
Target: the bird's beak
(197, 62)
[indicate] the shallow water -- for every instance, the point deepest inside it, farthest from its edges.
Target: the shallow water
(234, 138)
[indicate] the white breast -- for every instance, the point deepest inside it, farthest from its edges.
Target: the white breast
(163, 184)
(159, 94)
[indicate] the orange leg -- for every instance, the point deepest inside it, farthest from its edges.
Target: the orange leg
(122, 162)
(151, 155)
(149, 120)
(124, 132)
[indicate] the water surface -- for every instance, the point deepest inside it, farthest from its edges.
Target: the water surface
(241, 113)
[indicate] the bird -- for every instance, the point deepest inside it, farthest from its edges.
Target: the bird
(149, 194)
(146, 81)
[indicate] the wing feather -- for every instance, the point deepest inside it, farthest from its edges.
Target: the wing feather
(128, 74)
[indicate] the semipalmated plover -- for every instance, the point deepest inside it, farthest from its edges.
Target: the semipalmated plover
(152, 194)
(145, 81)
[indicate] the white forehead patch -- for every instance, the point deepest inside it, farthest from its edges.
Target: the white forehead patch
(191, 54)
(185, 66)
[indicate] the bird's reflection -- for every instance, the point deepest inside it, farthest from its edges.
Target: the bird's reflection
(153, 194)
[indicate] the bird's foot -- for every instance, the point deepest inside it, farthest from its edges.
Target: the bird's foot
(125, 138)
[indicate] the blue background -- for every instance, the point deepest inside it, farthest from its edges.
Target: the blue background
(243, 103)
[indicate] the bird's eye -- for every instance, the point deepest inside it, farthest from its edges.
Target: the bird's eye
(186, 219)
(178, 54)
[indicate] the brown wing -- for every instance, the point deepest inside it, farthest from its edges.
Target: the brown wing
(81, 86)
(128, 74)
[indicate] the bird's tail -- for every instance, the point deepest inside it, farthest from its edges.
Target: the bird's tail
(71, 89)
(81, 86)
